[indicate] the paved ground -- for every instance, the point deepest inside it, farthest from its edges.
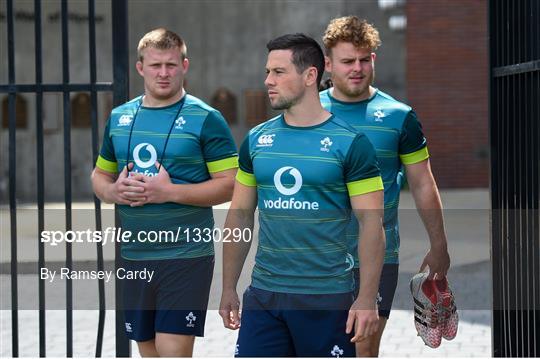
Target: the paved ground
(473, 339)
(471, 284)
(467, 223)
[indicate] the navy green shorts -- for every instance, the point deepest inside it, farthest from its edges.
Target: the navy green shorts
(174, 301)
(288, 325)
(387, 287)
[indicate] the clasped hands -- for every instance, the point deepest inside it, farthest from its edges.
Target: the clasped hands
(136, 189)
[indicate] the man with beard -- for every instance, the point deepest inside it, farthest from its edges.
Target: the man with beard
(305, 169)
(394, 130)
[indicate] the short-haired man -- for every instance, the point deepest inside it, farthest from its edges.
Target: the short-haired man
(305, 169)
(166, 159)
(397, 136)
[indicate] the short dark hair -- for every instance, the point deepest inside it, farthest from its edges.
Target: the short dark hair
(306, 52)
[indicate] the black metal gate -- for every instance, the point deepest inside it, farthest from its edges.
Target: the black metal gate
(515, 181)
(119, 88)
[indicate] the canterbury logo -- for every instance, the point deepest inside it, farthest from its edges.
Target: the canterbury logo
(125, 120)
(265, 140)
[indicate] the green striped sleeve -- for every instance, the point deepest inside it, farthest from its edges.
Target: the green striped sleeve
(245, 178)
(222, 165)
(106, 165)
(415, 157)
(365, 186)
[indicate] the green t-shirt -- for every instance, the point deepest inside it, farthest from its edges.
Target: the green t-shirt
(305, 177)
(396, 134)
(196, 141)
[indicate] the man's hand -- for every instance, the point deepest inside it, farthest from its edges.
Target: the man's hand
(438, 261)
(125, 190)
(229, 309)
(155, 189)
(364, 318)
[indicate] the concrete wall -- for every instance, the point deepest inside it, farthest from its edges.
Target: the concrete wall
(227, 40)
(226, 47)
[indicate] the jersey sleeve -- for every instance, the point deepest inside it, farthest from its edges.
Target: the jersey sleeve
(106, 160)
(412, 143)
(218, 147)
(362, 173)
(245, 173)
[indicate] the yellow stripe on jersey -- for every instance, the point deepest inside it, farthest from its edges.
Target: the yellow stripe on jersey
(222, 165)
(365, 186)
(106, 165)
(415, 157)
(247, 179)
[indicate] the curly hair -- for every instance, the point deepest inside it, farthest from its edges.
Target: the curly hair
(161, 39)
(351, 29)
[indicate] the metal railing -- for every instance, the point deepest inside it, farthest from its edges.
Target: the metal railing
(119, 88)
(515, 178)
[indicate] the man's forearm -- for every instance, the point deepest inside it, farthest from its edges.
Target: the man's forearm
(235, 253)
(371, 255)
(205, 194)
(101, 185)
(428, 203)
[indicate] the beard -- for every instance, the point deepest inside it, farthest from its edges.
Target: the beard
(285, 103)
(354, 91)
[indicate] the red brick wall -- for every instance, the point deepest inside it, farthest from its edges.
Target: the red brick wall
(447, 85)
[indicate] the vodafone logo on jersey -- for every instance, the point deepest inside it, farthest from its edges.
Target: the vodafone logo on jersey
(297, 181)
(153, 155)
(146, 147)
(291, 202)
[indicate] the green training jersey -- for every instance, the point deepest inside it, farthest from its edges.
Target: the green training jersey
(305, 177)
(191, 140)
(396, 134)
